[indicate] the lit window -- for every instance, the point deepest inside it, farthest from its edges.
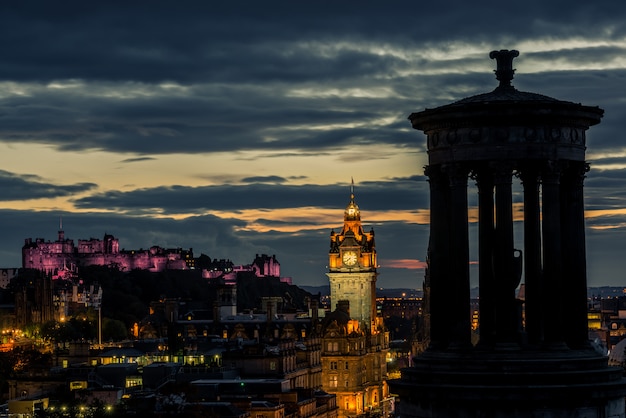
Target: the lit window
(333, 381)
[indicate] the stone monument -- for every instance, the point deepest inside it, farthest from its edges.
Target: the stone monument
(539, 364)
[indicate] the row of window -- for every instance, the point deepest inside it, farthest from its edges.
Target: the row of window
(352, 283)
(333, 382)
(334, 364)
(334, 346)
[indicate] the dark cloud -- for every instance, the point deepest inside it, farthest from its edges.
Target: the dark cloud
(30, 187)
(405, 194)
(264, 179)
(137, 160)
(156, 125)
(241, 63)
(605, 189)
(159, 41)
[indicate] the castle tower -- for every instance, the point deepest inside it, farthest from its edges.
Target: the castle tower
(544, 366)
(352, 267)
(61, 234)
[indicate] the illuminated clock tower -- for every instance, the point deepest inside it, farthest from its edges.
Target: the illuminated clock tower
(352, 267)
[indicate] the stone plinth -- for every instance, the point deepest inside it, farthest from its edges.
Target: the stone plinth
(505, 384)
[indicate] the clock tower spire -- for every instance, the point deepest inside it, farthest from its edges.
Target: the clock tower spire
(352, 267)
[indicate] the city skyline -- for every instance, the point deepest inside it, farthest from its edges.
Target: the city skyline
(236, 129)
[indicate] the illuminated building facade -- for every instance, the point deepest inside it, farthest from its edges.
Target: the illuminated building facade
(354, 341)
(352, 267)
(55, 256)
(404, 307)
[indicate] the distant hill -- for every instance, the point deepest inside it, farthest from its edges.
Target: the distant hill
(399, 293)
(314, 290)
(606, 291)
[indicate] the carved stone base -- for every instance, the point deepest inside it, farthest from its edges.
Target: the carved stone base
(502, 383)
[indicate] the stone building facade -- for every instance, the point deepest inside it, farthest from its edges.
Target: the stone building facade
(298, 361)
(354, 365)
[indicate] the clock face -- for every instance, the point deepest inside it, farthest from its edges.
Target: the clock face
(349, 258)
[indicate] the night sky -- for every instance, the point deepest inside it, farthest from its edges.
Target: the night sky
(235, 128)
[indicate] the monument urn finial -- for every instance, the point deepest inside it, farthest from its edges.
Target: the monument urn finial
(505, 70)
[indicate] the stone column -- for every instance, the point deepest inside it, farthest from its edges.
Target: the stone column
(458, 280)
(486, 283)
(532, 255)
(438, 269)
(574, 255)
(504, 261)
(552, 257)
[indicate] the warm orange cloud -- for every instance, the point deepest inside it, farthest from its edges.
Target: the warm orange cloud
(405, 263)
(604, 212)
(314, 218)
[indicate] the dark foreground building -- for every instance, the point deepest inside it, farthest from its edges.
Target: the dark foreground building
(543, 366)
